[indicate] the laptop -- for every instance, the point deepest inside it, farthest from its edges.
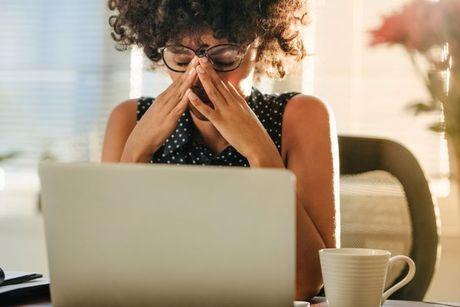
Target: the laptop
(122, 234)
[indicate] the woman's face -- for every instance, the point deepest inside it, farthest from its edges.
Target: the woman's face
(241, 77)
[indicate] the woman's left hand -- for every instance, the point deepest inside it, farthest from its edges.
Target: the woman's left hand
(232, 116)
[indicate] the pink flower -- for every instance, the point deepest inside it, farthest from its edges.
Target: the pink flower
(420, 24)
(391, 31)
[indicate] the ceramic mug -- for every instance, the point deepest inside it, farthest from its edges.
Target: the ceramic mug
(356, 276)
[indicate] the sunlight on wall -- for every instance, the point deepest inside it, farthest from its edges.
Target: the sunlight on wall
(308, 65)
(369, 88)
(136, 66)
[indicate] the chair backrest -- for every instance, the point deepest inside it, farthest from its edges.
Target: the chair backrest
(359, 155)
(374, 213)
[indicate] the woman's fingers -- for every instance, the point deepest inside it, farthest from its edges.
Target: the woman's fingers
(235, 92)
(189, 76)
(175, 85)
(181, 84)
(204, 109)
(181, 106)
(184, 76)
(213, 93)
(215, 79)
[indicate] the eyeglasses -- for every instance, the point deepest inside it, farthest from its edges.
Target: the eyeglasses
(223, 57)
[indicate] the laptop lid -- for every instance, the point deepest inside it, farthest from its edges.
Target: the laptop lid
(169, 235)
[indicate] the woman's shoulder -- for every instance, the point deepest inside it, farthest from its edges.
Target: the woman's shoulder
(124, 110)
(307, 117)
(131, 110)
(307, 105)
(119, 125)
(303, 106)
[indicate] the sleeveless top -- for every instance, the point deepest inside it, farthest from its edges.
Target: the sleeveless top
(182, 148)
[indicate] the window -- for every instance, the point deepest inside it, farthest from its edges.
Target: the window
(60, 77)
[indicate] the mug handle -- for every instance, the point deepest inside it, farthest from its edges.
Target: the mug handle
(405, 280)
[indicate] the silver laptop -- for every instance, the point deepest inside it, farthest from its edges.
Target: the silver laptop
(169, 235)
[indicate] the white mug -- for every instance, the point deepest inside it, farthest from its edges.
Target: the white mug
(356, 276)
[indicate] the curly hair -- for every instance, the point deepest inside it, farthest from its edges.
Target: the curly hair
(275, 24)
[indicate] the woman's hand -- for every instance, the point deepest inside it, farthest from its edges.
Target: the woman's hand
(160, 119)
(233, 118)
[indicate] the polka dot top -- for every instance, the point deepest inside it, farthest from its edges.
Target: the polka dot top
(182, 148)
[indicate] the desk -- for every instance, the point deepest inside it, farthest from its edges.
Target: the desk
(320, 302)
(317, 302)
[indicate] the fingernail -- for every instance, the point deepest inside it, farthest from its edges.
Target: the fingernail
(200, 69)
(203, 59)
(191, 95)
(194, 60)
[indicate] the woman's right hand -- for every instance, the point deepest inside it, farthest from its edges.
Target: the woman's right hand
(160, 119)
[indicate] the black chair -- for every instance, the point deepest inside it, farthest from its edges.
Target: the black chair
(359, 155)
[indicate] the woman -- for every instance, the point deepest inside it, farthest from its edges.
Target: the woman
(212, 114)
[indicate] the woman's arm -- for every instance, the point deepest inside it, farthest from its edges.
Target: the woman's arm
(310, 142)
(121, 122)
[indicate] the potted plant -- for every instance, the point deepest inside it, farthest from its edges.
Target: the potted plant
(46, 155)
(429, 31)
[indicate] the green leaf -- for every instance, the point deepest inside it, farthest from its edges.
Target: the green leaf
(421, 107)
(10, 155)
(438, 127)
(48, 155)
